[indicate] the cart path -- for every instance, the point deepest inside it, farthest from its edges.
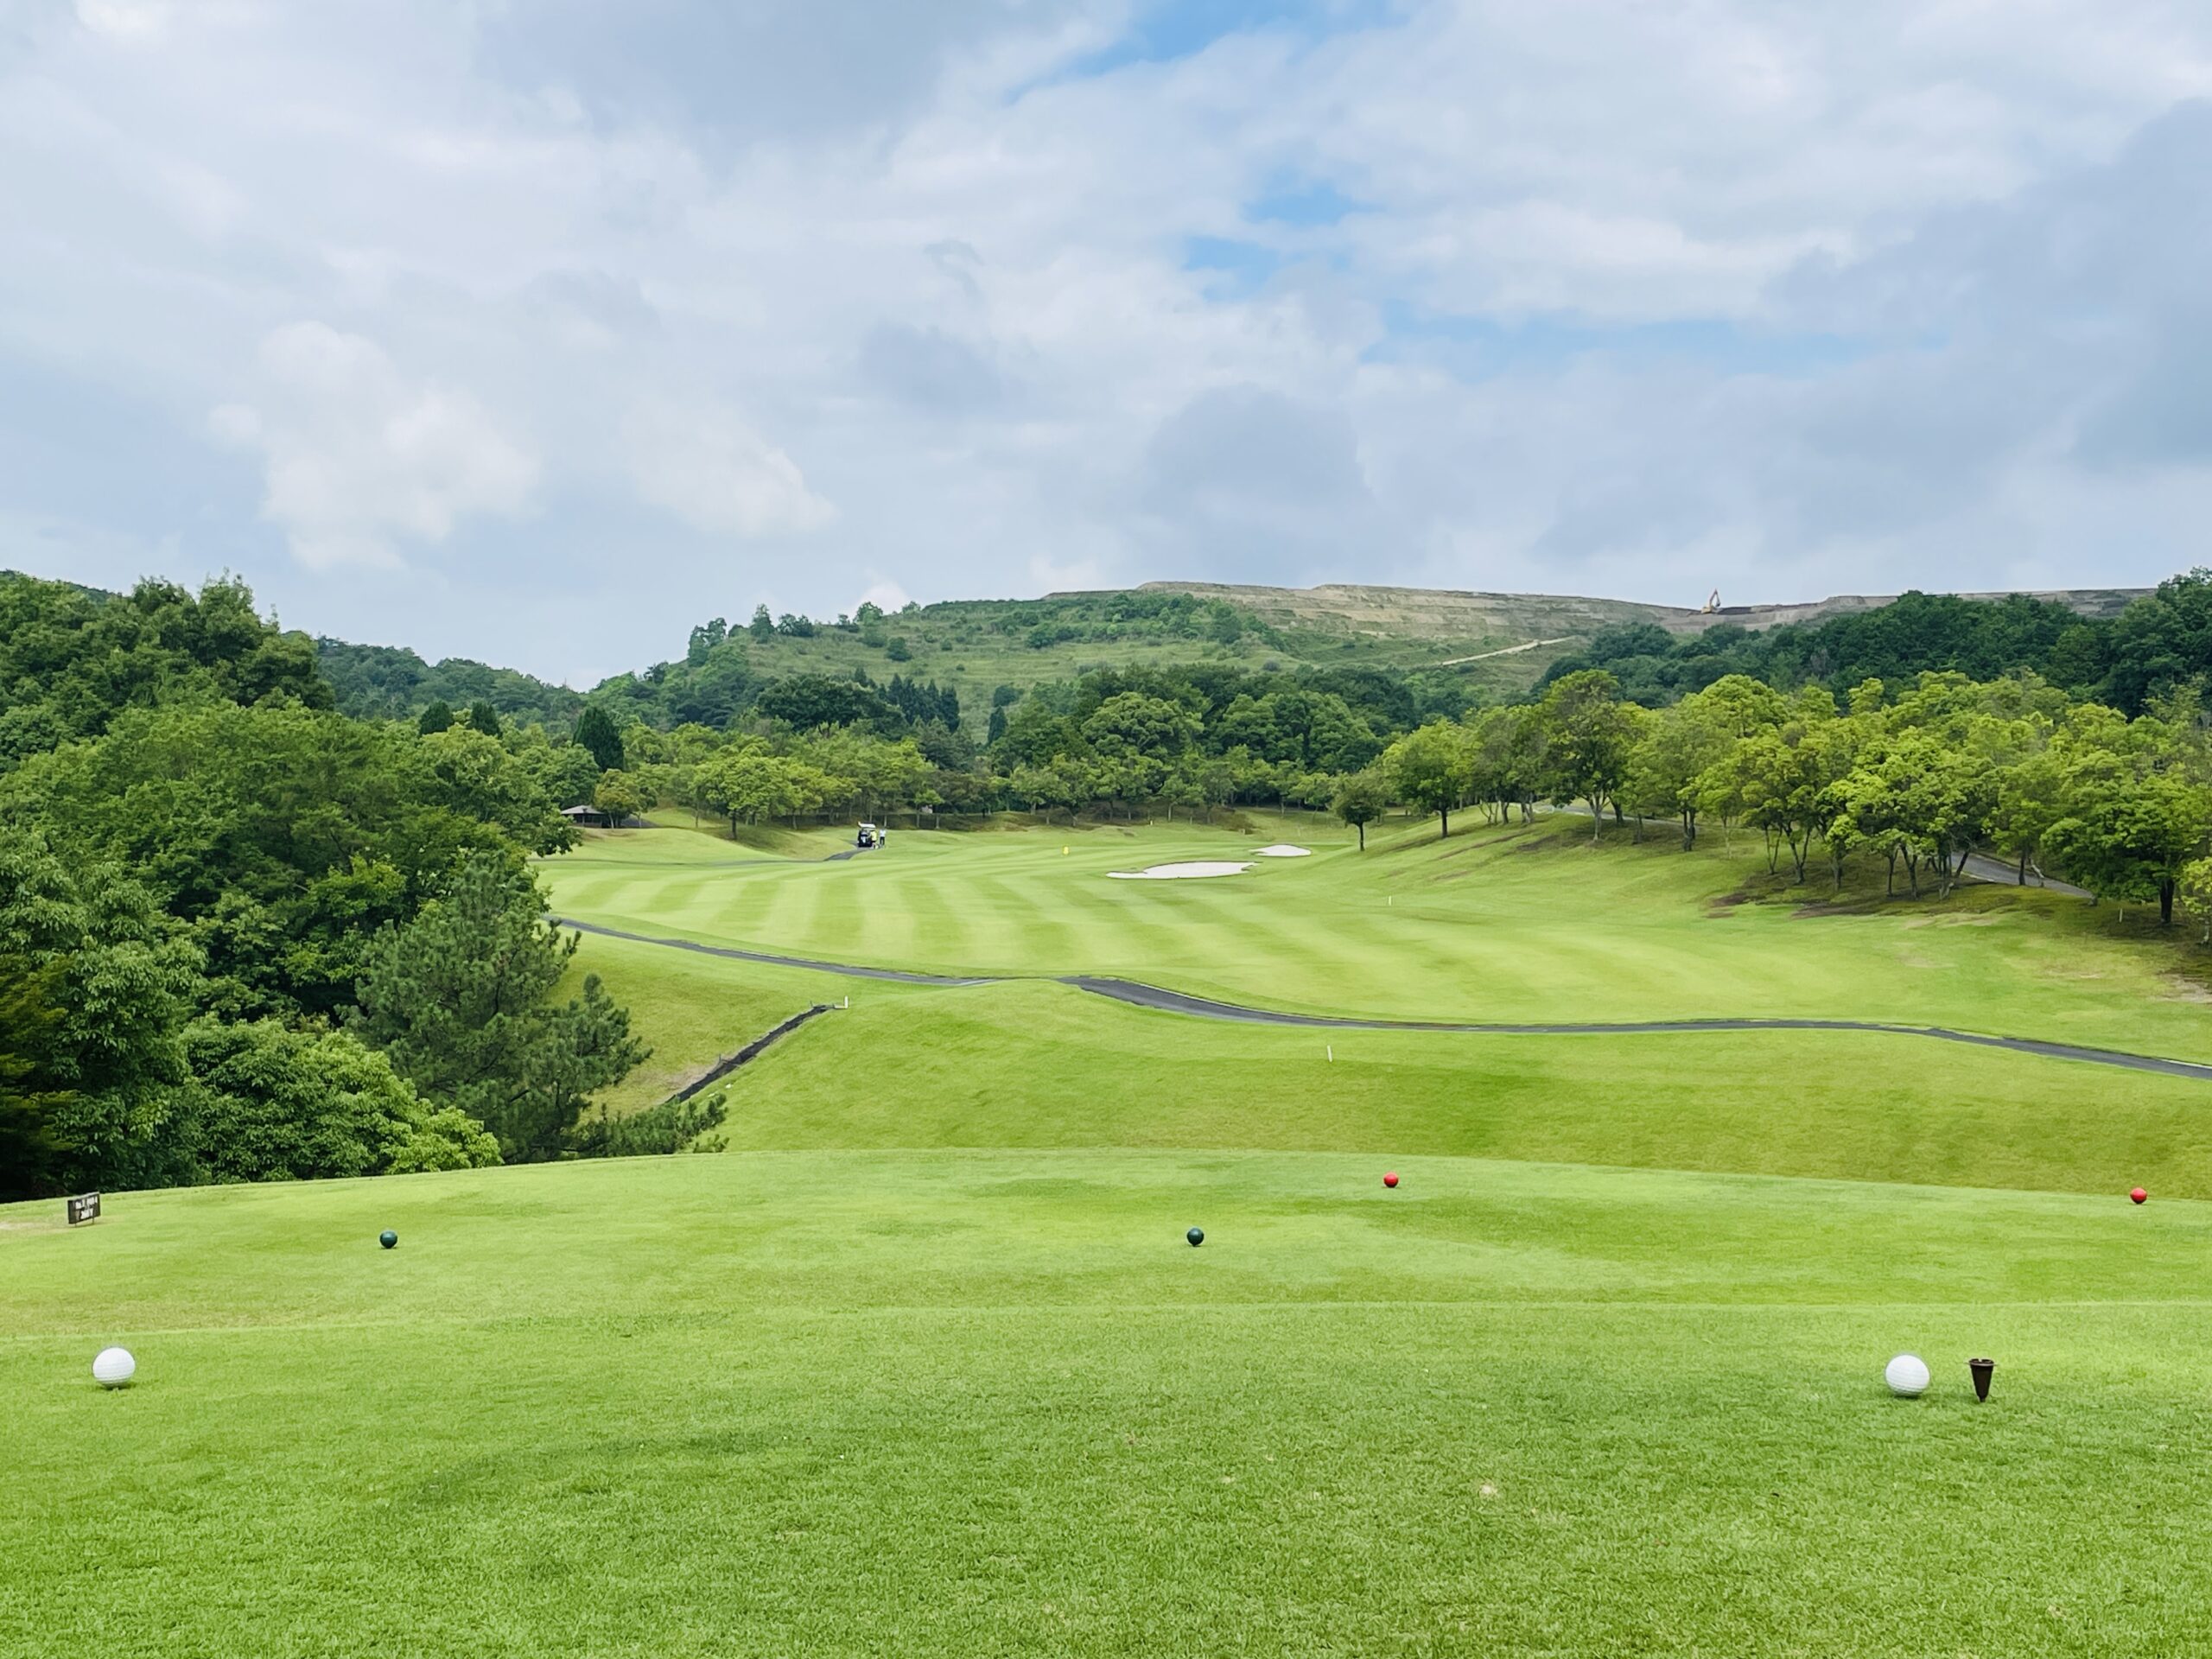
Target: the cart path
(1163, 1001)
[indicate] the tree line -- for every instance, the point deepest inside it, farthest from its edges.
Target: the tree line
(1919, 779)
(245, 937)
(2154, 645)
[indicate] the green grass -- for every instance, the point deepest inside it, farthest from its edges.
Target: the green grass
(921, 1365)
(989, 1402)
(1519, 924)
(1049, 1066)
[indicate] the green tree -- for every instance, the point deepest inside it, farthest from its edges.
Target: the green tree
(1431, 769)
(283, 836)
(483, 717)
(103, 988)
(2193, 892)
(73, 659)
(438, 717)
(1589, 736)
(621, 796)
(462, 1002)
(273, 1102)
(597, 735)
(2129, 832)
(1670, 766)
(1133, 723)
(763, 626)
(31, 1102)
(1360, 799)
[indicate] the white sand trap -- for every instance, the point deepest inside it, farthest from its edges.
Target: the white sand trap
(1179, 872)
(1284, 849)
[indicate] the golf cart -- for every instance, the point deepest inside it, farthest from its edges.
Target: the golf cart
(869, 836)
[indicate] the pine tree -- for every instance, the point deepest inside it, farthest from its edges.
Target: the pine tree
(595, 731)
(461, 1000)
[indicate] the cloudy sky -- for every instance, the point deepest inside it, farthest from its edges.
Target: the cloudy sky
(537, 330)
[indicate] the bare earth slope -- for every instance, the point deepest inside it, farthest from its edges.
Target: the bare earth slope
(1433, 623)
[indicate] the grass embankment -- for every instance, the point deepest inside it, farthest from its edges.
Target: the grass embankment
(1046, 1065)
(972, 1403)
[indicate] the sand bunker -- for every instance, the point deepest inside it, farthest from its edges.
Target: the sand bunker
(1178, 872)
(1284, 849)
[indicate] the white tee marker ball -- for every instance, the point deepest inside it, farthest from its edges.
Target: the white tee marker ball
(1907, 1375)
(113, 1368)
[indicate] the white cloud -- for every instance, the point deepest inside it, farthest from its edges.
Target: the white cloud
(357, 459)
(717, 474)
(676, 307)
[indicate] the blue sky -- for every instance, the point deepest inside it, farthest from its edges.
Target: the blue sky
(537, 330)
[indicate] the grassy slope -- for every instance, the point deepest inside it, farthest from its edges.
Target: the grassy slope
(1047, 1066)
(1492, 924)
(958, 644)
(990, 1402)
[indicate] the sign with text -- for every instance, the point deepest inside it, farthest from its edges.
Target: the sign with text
(85, 1209)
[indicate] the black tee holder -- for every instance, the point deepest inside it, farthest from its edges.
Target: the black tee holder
(1981, 1369)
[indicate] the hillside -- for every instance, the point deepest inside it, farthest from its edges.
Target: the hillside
(1495, 645)
(1520, 634)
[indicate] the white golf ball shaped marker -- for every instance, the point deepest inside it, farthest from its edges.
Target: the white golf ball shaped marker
(113, 1368)
(1907, 1375)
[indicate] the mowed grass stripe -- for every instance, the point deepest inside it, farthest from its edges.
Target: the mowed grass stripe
(1620, 932)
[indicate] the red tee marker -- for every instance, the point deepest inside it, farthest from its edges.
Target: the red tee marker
(2138, 1195)
(1391, 1180)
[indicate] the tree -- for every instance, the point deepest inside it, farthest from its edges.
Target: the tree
(1781, 786)
(1360, 799)
(273, 1102)
(897, 649)
(620, 796)
(705, 640)
(2129, 834)
(484, 718)
(753, 785)
(1042, 788)
(763, 626)
(2194, 892)
(808, 703)
(1431, 769)
(1506, 757)
(1589, 735)
(1668, 769)
(31, 1099)
(597, 736)
(1136, 722)
(462, 1001)
(100, 988)
(438, 717)
(72, 659)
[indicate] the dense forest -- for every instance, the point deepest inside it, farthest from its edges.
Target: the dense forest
(243, 935)
(250, 928)
(2160, 641)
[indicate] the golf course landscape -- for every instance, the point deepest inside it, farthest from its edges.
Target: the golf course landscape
(919, 1360)
(1105, 829)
